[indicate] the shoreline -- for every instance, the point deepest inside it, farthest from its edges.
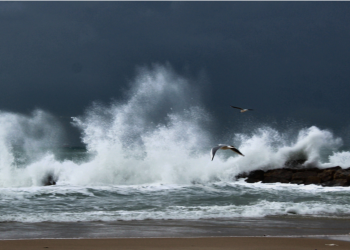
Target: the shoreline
(342, 237)
(268, 233)
(301, 227)
(208, 243)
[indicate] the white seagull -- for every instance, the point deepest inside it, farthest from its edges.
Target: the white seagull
(224, 147)
(242, 110)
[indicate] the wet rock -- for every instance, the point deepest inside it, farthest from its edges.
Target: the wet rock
(308, 169)
(342, 174)
(273, 179)
(329, 177)
(339, 183)
(297, 182)
(306, 177)
(327, 184)
(278, 175)
(312, 180)
(255, 176)
(242, 175)
(336, 183)
(328, 174)
(49, 180)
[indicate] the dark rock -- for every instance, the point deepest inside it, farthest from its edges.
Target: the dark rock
(297, 182)
(328, 174)
(329, 177)
(242, 175)
(327, 184)
(334, 168)
(303, 175)
(342, 174)
(273, 179)
(49, 180)
(255, 176)
(308, 169)
(307, 177)
(278, 175)
(281, 173)
(312, 180)
(339, 183)
(336, 183)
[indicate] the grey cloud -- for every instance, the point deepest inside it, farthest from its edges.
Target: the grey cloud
(278, 56)
(10, 8)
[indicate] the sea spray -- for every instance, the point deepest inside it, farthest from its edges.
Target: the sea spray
(131, 148)
(149, 158)
(267, 148)
(156, 136)
(178, 153)
(6, 155)
(25, 140)
(159, 134)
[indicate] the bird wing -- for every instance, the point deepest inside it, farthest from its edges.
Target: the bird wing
(213, 151)
(236, 107)
(236, 150)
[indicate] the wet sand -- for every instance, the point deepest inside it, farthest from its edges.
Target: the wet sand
(246, 234)
(271, 226)
(208, 243)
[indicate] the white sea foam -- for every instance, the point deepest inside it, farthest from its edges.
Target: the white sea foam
(159, 134)
(26, 140)
(260, 209)
(67, 203)
(267, 148)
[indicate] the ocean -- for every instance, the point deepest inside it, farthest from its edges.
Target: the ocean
(146, 162)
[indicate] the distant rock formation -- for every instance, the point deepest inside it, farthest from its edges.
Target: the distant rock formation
(49, 180)
(328, 177)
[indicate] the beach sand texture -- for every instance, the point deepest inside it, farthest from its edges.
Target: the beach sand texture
(207, 243)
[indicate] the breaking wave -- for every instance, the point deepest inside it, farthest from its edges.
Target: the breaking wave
(160, 133)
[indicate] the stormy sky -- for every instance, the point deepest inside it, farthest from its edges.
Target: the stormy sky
(286, 60)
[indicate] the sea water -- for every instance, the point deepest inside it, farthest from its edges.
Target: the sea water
(148, 158)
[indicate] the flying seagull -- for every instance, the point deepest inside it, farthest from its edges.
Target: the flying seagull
(242, 110)
(224, 147)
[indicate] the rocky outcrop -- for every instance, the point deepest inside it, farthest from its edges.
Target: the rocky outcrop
(328, 177)
(49, 180)
(278, 175)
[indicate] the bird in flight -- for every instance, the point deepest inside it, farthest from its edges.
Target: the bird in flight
(224, 147)
(242, 110)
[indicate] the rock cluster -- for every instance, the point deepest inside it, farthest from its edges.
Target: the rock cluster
(49, 180)
(328, 177)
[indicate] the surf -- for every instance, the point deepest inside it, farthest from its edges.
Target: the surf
(159, 133)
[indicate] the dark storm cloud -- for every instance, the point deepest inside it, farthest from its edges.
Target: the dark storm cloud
(285, 59)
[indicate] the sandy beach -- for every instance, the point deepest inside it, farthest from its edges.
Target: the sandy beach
(209, 243)
(243, 234)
